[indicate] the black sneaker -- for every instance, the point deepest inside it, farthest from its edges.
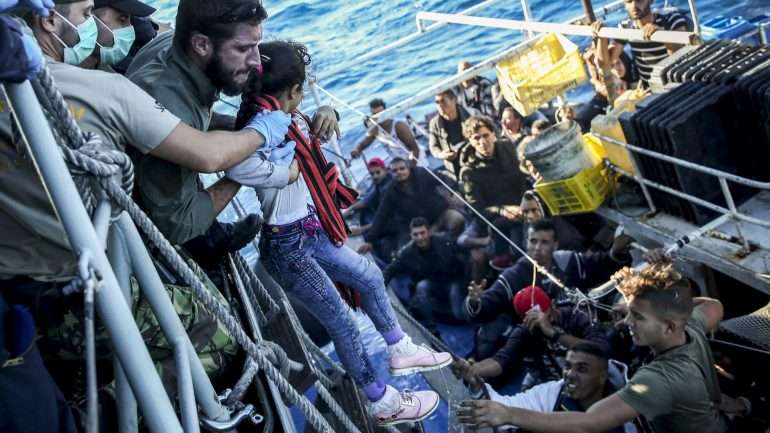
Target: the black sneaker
(240, 233)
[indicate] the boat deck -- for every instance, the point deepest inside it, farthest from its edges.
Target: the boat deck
(719, 249)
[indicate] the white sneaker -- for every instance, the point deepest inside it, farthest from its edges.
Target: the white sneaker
(398, 408)
(407, 358)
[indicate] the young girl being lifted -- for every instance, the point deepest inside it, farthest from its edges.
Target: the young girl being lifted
(303, 239)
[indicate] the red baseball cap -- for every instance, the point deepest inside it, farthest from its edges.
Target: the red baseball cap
(376, 162)
(529, 297)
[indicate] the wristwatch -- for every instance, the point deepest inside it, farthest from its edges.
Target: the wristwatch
(557, 333)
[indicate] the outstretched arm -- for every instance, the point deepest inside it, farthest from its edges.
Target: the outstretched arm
(604, 415)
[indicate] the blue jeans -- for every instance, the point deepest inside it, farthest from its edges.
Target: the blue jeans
(442, 298)
(307, 264)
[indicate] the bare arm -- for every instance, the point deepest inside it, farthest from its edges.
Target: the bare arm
(222, 192)
(363, 144)
(207, 152)
(712, 311)
(406, 137)
(487, 368)
(604, 415)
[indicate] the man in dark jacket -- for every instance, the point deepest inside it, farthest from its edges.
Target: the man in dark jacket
(475, 94)
(492, 182)
(573, 269)
(431, 262)
(414, 194)
(446, 139)
(540, 343)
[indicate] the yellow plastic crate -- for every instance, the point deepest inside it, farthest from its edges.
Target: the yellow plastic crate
(584, 192)
(544, 68)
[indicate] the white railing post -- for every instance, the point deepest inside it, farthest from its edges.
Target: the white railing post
(334, 143)
(527, 17)
(695, 18)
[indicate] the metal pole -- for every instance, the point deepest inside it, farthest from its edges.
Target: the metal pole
(687, 164)
(733, 212)
(401, 42)
(92, 399)
(185, 387)
(334, 143)
(101, 219)
(695, 18)
(155, 293)
(127, 419)
(663, 36)
(527, 17)
(696, 200)
(112, 308)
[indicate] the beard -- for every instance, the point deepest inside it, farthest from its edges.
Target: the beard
(222, 77)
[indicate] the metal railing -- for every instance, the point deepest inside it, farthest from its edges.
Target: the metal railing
(731, 211)
(480, 68)
(662, 36)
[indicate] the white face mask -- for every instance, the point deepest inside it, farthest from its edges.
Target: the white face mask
(87, 32)
(122, 40)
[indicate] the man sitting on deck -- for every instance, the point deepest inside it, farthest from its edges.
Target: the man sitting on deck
(538, 344)
(446, 138)
(574, 269)
(491, 183)
(475, 93)
(431, 261)
(397, 136)
(414, 194)
(678, 392)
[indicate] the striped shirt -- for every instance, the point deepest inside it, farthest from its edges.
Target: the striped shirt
(646, 53)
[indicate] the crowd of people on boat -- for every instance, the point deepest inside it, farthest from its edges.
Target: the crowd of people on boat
(466, 244)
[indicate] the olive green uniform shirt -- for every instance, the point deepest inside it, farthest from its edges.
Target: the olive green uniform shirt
(32, 240)
(172, 195)
(678, 392)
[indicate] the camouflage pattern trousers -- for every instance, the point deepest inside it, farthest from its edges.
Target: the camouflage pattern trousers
(213, 344)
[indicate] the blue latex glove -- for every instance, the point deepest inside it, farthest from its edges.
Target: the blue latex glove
(41, 7)
(283, 155)
(34, 56)
(272, 125)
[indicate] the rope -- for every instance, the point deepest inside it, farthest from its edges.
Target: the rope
(239, 390)
(265, 355)
(486, 221)
(336, 409)
(86, 154)
(258, 292)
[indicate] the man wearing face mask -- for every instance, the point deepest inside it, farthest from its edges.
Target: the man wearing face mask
(116, 30)
(124, 117)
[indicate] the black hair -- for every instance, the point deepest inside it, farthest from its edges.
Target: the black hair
(398, 159)
(543, 225)
(418, 222)
(530, 195)
(448, 92)
(515, 112)
(215, 19)
(628, 65)
(591, 348)
(284, 65)
(377, 102)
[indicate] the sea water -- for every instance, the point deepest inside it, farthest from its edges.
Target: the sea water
(340, 31)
